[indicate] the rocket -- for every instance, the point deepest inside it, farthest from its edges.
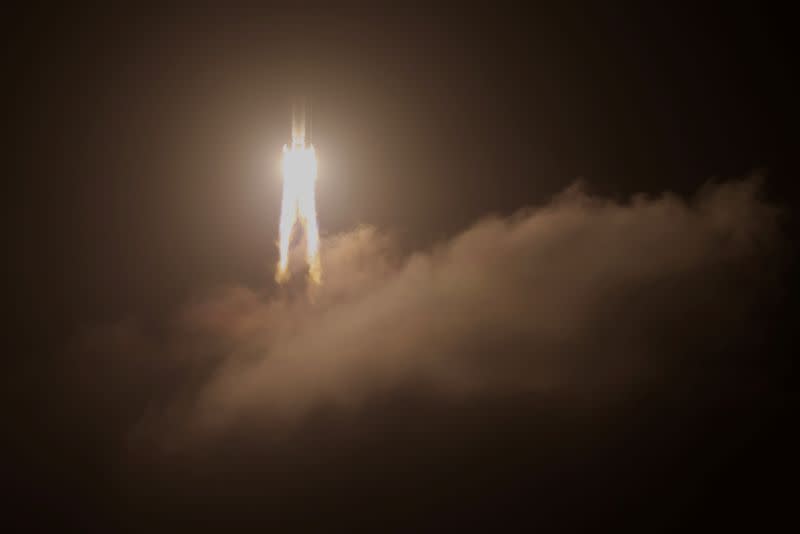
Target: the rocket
(301, 123)
(298, 203)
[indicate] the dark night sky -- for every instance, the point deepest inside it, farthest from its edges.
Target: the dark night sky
(148, 144)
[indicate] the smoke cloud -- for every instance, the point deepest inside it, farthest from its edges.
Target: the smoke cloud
(583, 295)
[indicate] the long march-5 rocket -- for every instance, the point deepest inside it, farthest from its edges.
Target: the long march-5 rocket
(299, 204)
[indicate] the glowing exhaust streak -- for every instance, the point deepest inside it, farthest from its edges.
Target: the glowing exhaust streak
(299, 205)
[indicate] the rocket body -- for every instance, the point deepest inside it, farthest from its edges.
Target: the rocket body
(301, 123)
(299, 203)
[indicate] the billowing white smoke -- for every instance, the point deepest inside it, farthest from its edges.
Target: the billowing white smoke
(582, 294)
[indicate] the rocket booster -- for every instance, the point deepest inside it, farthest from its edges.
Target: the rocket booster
(301, 123)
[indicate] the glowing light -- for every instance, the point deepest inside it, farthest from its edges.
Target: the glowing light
(299, 205)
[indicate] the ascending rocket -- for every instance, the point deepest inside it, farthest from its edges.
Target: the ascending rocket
(301, 123)
(299, 204)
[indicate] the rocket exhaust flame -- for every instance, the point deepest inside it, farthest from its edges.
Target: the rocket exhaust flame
(299, 204)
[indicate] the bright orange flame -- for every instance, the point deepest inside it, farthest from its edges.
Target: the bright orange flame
(299, 205)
